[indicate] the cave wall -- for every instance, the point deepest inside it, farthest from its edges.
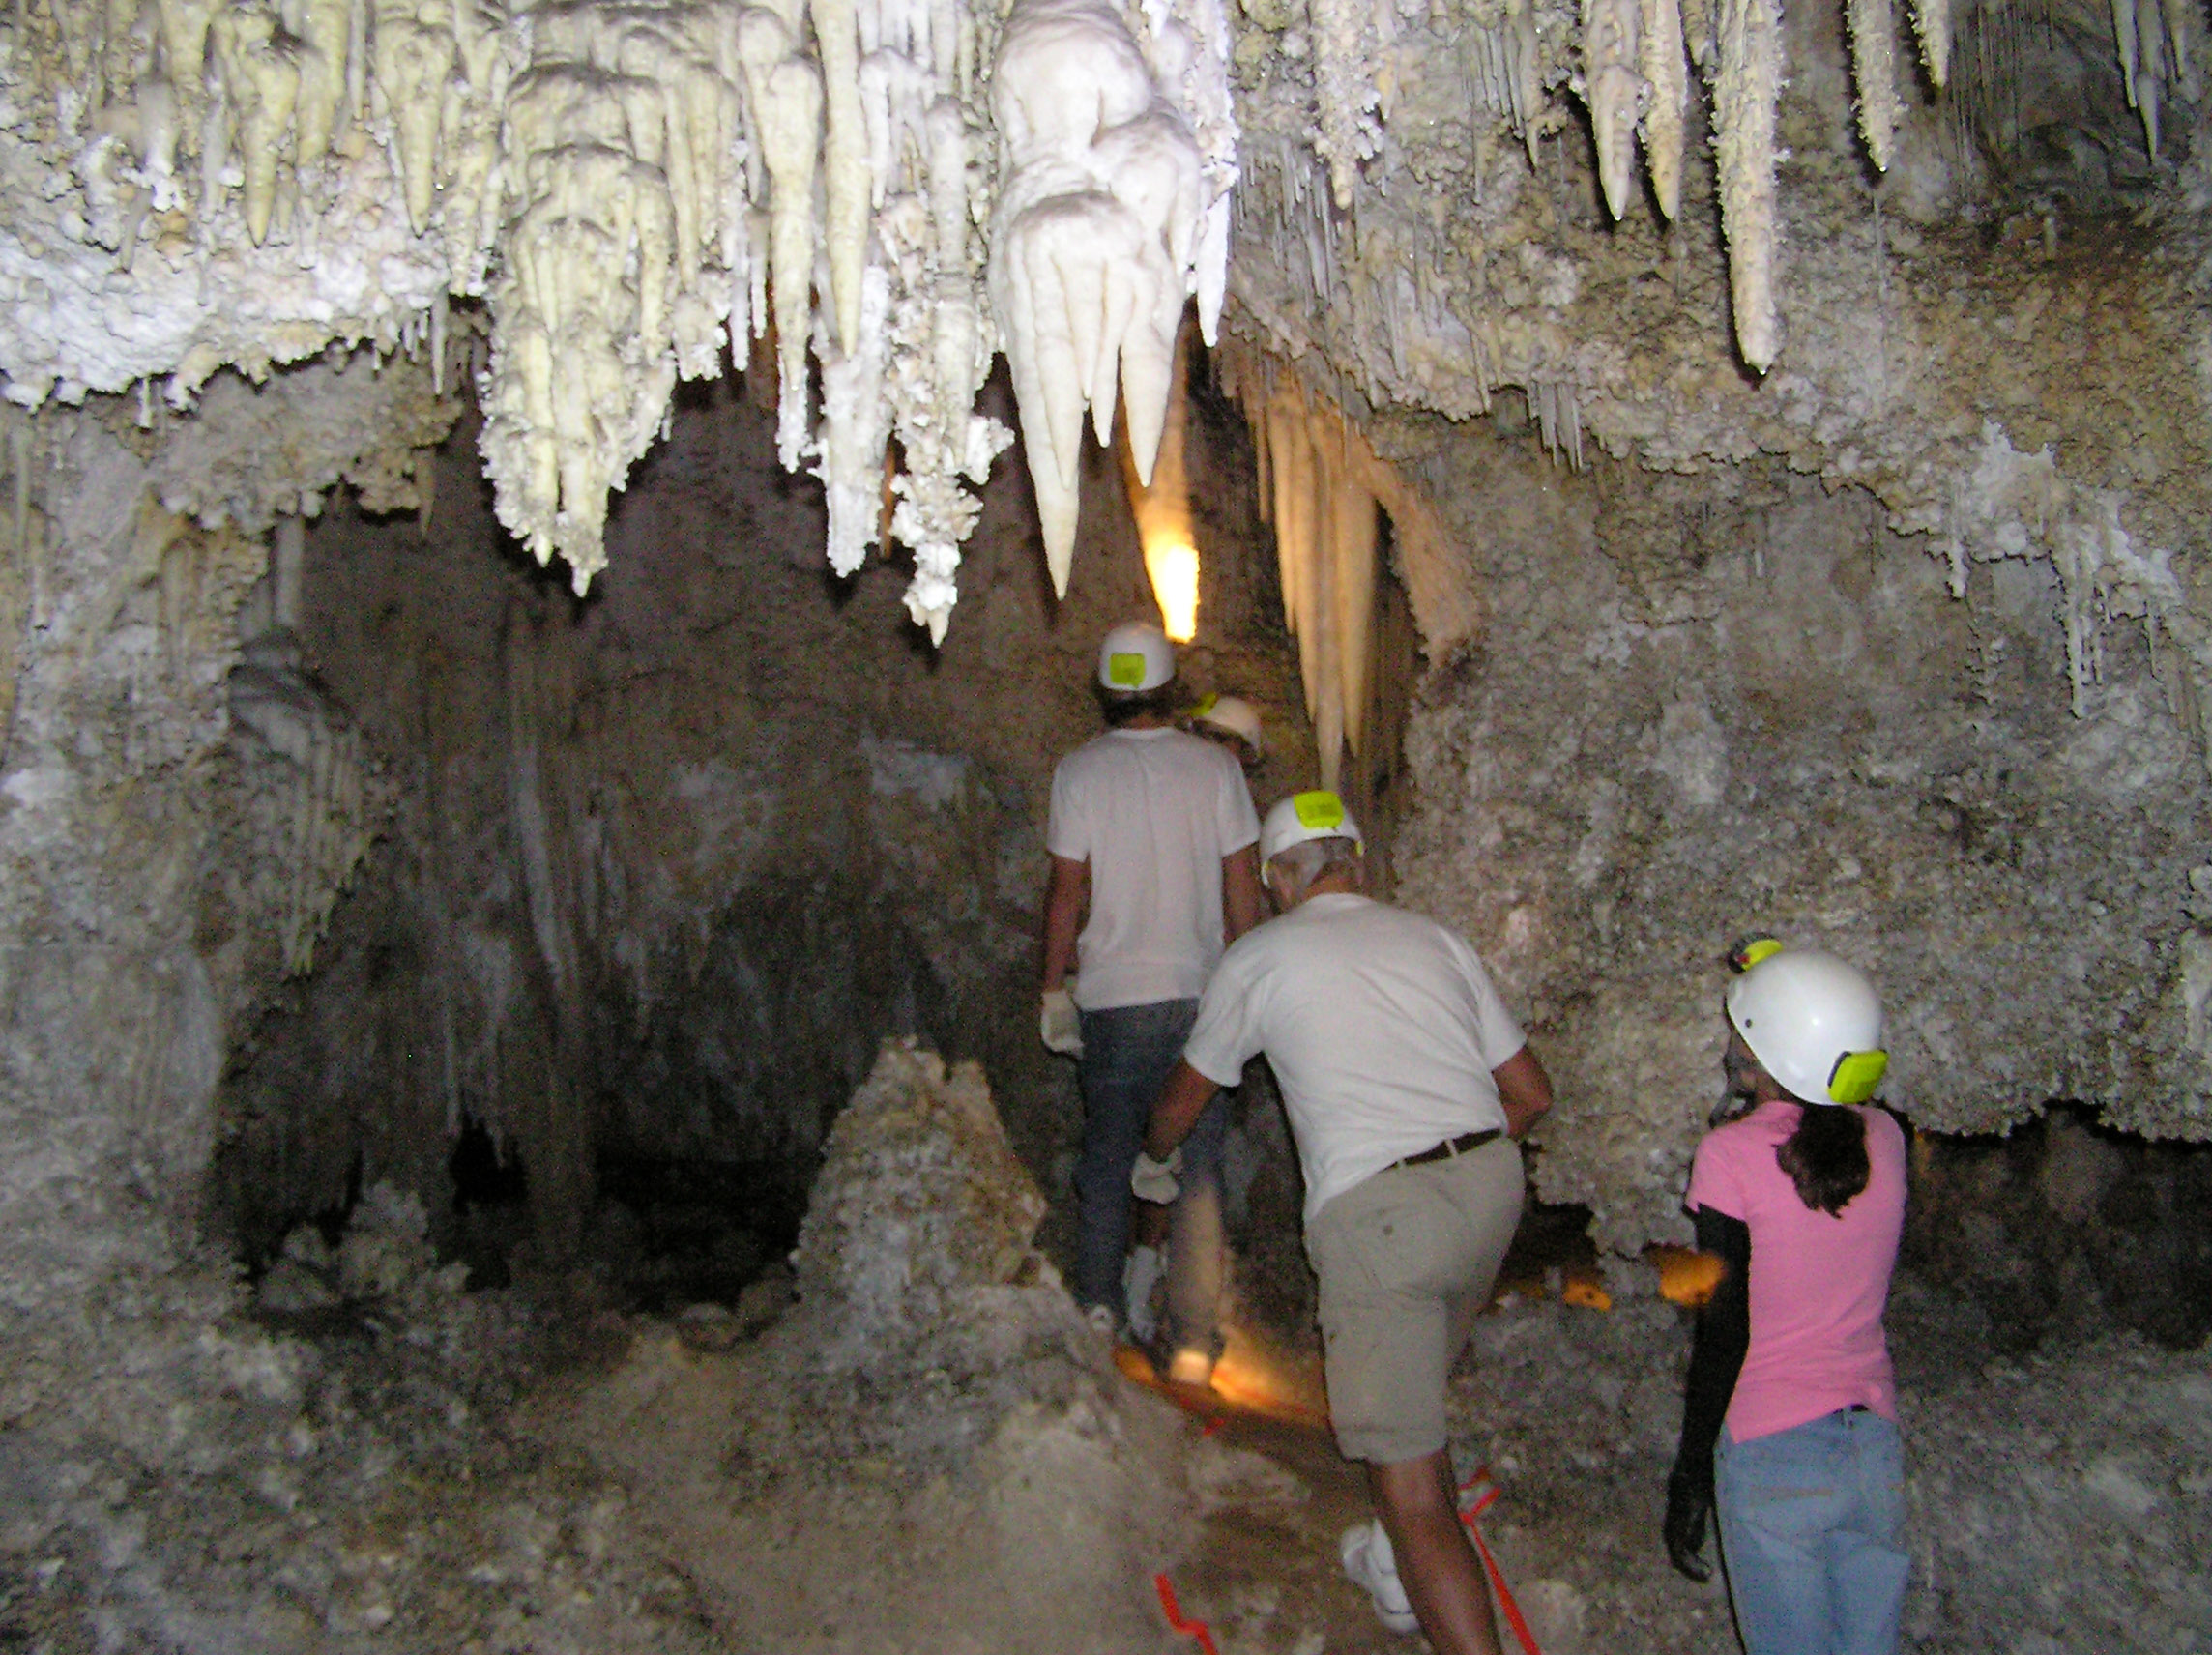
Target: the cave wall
(664, 866)
(163, 856)
(1710, 707)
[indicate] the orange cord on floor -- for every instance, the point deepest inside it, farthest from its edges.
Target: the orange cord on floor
(1469, 1511)
(1191, 1628)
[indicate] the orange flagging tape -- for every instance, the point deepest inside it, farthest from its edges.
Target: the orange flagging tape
(1194, 1628)
(1469, 1511)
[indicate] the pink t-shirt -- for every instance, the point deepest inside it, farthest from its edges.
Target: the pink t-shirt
(1817, 1283)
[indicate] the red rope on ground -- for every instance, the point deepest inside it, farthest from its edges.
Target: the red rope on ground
(1468, 1515)
(1193, 1628)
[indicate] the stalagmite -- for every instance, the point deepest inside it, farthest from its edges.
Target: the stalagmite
(1873, 66)
(1666, 74)
(1614, 91)
(1744, 94)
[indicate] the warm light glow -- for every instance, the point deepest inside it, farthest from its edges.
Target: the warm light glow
(1686, 1277)
(1248, 1380)
(1174, 571)
(1588, 1295)
(1162, 510)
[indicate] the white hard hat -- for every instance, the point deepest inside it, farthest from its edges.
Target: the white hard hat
(1813, 1020)
(1136, 657)
(1304, 816)
(1233, 714)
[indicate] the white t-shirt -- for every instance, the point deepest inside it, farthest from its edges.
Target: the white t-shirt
(1383, 1029)
(1153, 812)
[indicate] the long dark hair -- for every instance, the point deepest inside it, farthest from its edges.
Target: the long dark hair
(1826, 1156)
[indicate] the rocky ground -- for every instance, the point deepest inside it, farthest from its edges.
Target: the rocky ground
(926, 1451)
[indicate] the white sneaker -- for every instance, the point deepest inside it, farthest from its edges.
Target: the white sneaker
(1369, 1562)
(1140, 1278)
(1190, 1366)
(1099, 1318)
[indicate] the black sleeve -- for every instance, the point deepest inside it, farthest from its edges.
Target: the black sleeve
(1716, 1353)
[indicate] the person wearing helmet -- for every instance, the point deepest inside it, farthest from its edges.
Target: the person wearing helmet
(1153, 873)
(1235, 723)
(1408, 1084)
(1789, 1424)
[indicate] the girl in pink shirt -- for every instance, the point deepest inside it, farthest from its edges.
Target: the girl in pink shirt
(1789, 1426)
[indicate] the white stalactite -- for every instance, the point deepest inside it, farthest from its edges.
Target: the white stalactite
(262, 75)
(1745, 91)
(1932, 18)
(1353, 544)
(414, 56)
(855, 424)
(847, 177)
(2149, 84)
(2185, 32)
(1321, 488)
(1095, 245)
(1344, 85)
(1666, 74)
(789, 118)
(1874, 66)
(1615, 93)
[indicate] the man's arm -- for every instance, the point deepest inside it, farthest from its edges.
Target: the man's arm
(1241, 900)
(1524, 1090)
(1180, 1102)
(1066, 894)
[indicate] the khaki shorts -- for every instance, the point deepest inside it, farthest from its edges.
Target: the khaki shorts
(1406, 1262)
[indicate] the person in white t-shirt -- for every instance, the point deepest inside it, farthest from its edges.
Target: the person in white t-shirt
(1407, 1083)
(1153, 873)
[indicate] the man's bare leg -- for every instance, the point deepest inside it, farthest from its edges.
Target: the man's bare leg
(1438, 1569)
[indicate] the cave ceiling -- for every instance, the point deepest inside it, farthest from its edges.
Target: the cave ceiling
(1946, 252)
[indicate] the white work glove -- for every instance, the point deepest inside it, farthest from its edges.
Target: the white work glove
(1060, 1025)
(1157, 1181)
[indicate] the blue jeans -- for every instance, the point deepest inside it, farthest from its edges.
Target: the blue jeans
(1128, 1053)
(1813, 1535)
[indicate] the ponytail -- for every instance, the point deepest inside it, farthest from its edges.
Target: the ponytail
(1826, 1156)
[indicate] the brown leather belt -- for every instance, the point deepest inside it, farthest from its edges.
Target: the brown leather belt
(1445, 1150)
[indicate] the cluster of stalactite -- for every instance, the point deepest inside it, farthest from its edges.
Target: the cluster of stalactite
(1327, 494)
(638, 188)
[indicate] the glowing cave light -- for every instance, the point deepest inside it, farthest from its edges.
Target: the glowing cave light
(1173, 568)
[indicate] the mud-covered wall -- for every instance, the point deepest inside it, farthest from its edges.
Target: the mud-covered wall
(664, 866)
(1710, 707)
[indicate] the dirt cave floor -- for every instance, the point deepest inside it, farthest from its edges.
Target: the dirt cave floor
(414, 1469)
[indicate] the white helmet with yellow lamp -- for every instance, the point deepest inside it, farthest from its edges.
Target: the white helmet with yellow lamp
(1303, 816)
(1813, 1020)
(1233, 715)
(1134, 657)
